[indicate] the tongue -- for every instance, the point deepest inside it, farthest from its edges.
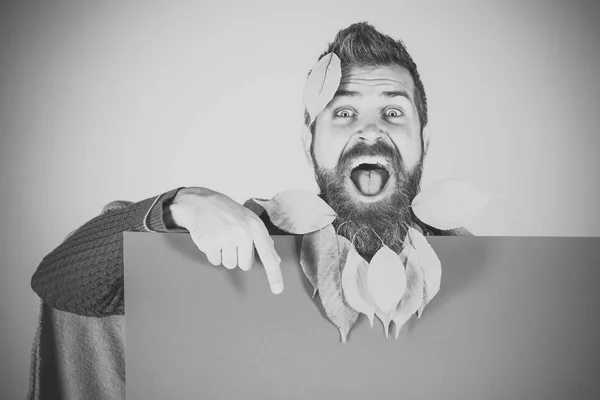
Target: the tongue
(369, 182)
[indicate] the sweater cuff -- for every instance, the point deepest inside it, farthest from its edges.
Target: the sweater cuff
(153, 220)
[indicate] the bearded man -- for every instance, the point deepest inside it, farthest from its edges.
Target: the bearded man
(366, 147)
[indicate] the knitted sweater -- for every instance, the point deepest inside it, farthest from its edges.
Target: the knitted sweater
(84, 274)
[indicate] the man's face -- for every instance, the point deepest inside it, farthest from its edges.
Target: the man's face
(367, 154)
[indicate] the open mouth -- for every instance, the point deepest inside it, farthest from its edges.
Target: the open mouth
(370, 178)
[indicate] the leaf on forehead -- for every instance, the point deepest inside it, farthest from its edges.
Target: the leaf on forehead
(449, 203)
(413, 297)
(298, 211)
(321, 85)
(386, 279)
(354, 284)
(320, 260)
(430, 264)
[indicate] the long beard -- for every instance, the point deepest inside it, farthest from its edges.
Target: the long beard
(369, 225)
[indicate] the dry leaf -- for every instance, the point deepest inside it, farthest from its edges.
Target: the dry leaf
(311, 255)
(354, 285)
(385, 320)
(430, 264)
(387, 279)
(321, 258)
(413, 297)
(321, 85)
(309, 258)
(449, 203)
(298, 211)
(344, 247)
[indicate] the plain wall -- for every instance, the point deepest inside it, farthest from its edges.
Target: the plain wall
(104, 101)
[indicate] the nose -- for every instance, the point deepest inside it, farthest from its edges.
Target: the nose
(370, 133)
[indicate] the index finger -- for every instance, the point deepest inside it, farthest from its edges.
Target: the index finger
(268, 256)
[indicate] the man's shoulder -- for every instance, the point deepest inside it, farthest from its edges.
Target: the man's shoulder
(431, 231)
(115, 205)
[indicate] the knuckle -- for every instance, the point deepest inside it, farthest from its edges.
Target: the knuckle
(239, 232)
(207, 246)
(254, 222)
(224, 238)
(198, 240)
(249, 215)
(213, 254)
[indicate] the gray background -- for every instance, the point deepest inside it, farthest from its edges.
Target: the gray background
(515, 318)
(92, 94)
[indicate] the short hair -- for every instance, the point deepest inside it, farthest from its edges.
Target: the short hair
(361, 45)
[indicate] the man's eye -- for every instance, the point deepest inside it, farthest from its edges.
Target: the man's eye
(393, 113)
(345, 113)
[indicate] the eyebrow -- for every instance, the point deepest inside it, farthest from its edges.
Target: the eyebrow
(346, 93)
(393, 93)
(397, 93)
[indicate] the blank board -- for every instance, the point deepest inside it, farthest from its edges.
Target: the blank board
(516, 318)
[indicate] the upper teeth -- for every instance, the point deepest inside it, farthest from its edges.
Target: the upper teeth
(369, 160)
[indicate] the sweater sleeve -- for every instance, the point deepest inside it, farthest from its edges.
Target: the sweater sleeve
(84, 274)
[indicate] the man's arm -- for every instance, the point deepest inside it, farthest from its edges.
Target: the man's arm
(84, 274)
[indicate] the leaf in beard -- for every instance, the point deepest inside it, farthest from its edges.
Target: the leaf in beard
(344, 247)
(320, 256)
(386, 279)
(355, 286)
(413, 297)
(321, 85)
(298, 211)
(449, 204)
(385, 320)
(430, 264)
(309, 257)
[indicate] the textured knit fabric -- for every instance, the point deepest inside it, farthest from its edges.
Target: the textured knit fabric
(80, 357)
(77, 357)
(84, 274)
